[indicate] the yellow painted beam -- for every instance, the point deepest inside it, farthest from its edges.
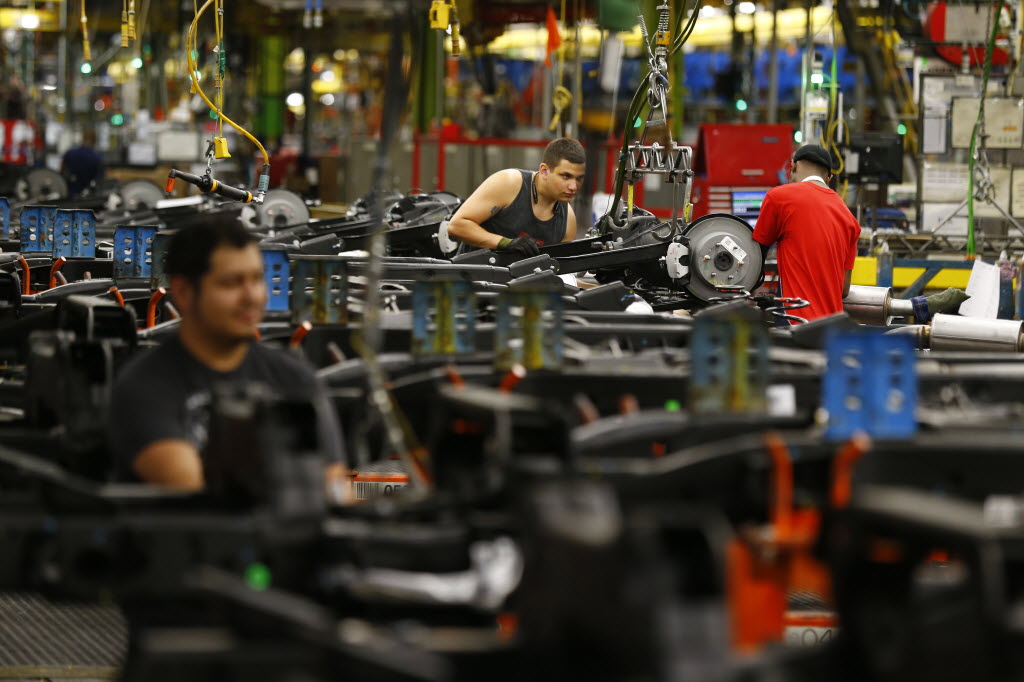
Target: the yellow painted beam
(865, 270)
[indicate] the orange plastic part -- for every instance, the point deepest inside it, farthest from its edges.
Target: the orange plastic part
(512, 378)
(117, 295)
(842, 469)
(300, 334)
(55, 268)
(151, 307)
(26, 276)
(453, 376)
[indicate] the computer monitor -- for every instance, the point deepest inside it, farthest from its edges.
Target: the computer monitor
(747, 202)
(874, 157)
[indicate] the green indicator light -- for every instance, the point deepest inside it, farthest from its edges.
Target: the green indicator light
(798, 136)
(638, 122)
(817, 78)
(213, 114)
(257, 575)
(86, 67)
(901, 129)
(137, 63)
(741, 104)
(117, 119)
(672, 406)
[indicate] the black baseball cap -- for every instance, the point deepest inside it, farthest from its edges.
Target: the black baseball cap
(816, 154)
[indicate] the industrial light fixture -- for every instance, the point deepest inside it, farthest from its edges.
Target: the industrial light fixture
(817, 78)
(295, 99)
(30, 20)
(746, 7)
(327, 100)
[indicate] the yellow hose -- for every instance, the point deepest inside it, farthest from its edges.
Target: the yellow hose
(193, 67)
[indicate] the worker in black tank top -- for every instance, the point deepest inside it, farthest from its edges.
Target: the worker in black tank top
(520, 211)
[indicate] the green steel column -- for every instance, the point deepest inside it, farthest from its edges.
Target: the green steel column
(429, 65)
(677, 77)
(270, 120)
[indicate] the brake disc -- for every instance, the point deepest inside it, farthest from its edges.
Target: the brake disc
(280, 207)
(722, 252)
(41, 184)
(136, 195)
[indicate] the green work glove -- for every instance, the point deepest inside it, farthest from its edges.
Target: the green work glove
(946, 302)
(522, 245)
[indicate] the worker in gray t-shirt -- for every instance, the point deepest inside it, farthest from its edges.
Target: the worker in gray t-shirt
(159, 408)
(518, 210)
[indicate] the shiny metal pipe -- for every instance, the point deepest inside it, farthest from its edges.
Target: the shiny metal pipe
(952, 332)
(869, 305)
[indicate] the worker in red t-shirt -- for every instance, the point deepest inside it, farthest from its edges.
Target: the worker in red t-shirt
(815, 232)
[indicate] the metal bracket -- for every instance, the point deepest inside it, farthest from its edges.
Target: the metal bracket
(870, 386)
(5, 218)
(443, 318)
(646, 159)
(447, 245)
(74, 233)
(529, 330)
(133, 251)
(319, 290)
(677, 261)
(37, 228)
(157, 277)
(276, 272)
(729, 364)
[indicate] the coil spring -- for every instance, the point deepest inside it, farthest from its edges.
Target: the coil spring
(663, 10)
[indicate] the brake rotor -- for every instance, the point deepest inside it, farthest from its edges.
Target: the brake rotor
(136, 195)
(281, 207)
(41, 184)
(722, 252)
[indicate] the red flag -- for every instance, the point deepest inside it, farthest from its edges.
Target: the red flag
(554, 37)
